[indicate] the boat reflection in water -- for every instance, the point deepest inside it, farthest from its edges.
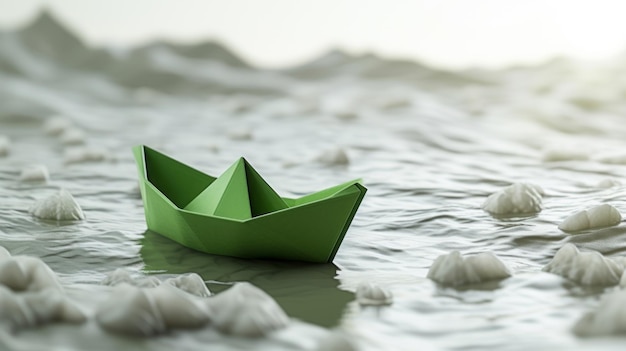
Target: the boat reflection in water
(306, 291)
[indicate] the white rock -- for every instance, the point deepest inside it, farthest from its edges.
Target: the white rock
(57, 125)
(5, 146)
(518, 198)
(35, 173)
(586, 268)
(26, 273)
(333, 157)
(179, 309)
(373, 294)
(86, 154)
(73, 136)
(455, 270)
(129, 310)
(117, 277)
(245, 310)
(37, 308)
(122, 276)
(609, 318)
(150, 311)
(191, 283)
(13, 276)
(60, 206)
(596, 217)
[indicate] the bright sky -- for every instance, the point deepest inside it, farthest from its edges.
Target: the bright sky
(447, 33)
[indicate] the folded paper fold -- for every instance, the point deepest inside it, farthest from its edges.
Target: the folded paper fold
(240, 192)
(239, 214)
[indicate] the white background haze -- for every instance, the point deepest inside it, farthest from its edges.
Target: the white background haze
(446, 33)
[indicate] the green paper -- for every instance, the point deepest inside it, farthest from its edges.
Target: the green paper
(238, 214)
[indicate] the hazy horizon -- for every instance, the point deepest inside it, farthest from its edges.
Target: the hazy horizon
(449, 34)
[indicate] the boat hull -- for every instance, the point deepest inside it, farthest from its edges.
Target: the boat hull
(310, 232)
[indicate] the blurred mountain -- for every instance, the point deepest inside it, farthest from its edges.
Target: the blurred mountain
(45, 50)
(206, 50)
(46, 37)
(337, 63)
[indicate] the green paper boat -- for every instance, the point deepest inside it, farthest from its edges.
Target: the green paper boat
(238, 214)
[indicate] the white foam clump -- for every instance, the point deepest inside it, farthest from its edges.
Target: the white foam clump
(26, 273)
(60, 206)
(190, 283)
(455, 270)
(73, 136)
(31, 309)
(143, 312)
(373, 294)
(122, 276)
(600, 216)
(35, 173)
(518, 198)
(86, 154)
(57, 125)
(5, 146)
(31, 295)
(245, 310)
(334, 157)
(586, 268)
(609, 318)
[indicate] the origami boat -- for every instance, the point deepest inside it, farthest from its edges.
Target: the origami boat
(238, 214)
